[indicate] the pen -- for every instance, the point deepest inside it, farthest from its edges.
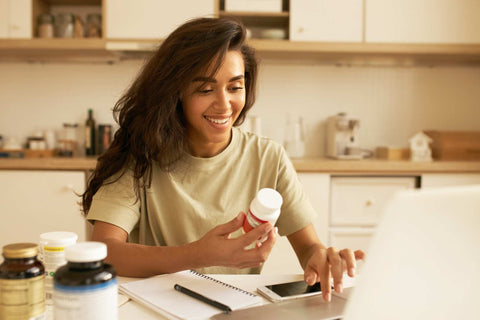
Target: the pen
(202, 298)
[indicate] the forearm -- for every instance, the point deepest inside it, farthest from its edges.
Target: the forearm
(305, 242)
(135, 260)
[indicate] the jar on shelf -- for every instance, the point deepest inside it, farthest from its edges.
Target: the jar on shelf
(45, 24)
(94, 25)
(64, 25)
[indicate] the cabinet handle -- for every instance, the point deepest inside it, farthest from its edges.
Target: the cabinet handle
(300, 30)
(369, 203)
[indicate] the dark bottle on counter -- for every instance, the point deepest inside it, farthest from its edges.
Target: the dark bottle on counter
(90, 134)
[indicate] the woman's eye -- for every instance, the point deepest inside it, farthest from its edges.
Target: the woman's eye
(236, 88)
(205, 91)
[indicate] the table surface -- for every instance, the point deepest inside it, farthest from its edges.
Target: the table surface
(129, 309)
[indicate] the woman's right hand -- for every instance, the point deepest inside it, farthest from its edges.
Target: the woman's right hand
(216, 248)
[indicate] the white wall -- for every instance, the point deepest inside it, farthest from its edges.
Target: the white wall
(392, 103)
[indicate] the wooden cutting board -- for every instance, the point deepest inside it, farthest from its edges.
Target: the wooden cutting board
(455, 145)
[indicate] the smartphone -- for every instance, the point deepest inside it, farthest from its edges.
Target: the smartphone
(289, 290)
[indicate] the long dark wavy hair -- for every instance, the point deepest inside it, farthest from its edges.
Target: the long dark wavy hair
(149, 114)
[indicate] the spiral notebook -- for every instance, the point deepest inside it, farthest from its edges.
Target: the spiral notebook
(158, 294)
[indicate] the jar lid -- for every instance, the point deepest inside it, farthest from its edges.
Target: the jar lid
(20, 250)
(89, 251)
(58, 238)
(267, 203)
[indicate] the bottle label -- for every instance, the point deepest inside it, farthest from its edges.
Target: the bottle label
(23, 298)
(53, 258)
(86, 302)
(251, 222)
(88, 138)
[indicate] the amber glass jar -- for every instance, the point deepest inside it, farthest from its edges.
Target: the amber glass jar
(22, 283)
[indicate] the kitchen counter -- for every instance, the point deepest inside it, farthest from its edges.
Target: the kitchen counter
(354, 167)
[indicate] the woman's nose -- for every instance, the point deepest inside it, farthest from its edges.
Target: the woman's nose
(223, 100)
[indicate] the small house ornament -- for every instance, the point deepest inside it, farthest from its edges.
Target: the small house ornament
(420, 147)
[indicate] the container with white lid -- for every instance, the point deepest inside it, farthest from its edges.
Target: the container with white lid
(86, 287)
(265, 207)
(52, 254)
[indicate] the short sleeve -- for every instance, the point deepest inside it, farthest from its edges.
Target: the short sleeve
(297, 211)
(116, 203)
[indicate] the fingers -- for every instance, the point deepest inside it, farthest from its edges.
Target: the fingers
(348, 257)
(336, 266)
(359, 255)
(256, 234)
(234, 224)
(258, 255)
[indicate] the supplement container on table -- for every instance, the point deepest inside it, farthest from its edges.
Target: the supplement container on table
(22, 283)
(52, 254)
(86, 287)
(265, 207)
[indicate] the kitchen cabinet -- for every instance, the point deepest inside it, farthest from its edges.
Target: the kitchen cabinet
(151, 19)
(356, 206)
(326, 20)
(282, 259)
(426, 21)
(16, 19)
(37, 201)
(449, 179)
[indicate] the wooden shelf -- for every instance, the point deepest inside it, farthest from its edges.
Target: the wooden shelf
(104, 50)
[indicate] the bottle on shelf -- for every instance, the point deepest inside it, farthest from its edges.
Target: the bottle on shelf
(90, 134)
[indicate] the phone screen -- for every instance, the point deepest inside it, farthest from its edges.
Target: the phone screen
(294, 288)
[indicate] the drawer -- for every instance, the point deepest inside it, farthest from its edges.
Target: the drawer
(359, 201)
(352, 238)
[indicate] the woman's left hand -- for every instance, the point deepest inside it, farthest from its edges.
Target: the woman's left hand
(324, 264)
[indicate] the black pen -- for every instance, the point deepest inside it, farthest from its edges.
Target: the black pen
(198, 296)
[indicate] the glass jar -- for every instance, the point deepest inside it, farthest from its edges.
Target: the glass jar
(45, 24)
(64, 25)
(94, 26)
(22, 283)
(68, 142)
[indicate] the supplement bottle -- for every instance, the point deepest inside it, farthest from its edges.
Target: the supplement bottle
(52, 254)
(22, 283)
(85, 288)
(265, 207)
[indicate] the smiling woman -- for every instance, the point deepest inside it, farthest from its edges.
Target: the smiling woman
(212, 105)
(170, 192)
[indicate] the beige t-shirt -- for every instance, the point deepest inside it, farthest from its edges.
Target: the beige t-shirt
(201, 193)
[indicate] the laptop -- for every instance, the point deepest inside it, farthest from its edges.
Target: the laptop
(423, 263)
(424, 259)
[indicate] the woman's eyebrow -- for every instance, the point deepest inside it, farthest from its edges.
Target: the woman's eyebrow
(208, 79)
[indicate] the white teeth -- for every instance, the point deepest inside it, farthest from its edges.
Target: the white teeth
(217, 121)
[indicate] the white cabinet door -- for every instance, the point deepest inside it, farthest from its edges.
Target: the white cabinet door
(33, 202)
(326, 20)
(359, 201)
(16, 19)
(353, 238)
(450, 179)
(282, 259)
(424, 21)
(151, 19)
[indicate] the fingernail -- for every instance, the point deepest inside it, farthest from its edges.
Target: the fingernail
(310, 280)
(352, 272)
(339, 287)
(276, 231)
(328, 296)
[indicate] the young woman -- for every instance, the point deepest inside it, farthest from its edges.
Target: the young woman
(171, 192)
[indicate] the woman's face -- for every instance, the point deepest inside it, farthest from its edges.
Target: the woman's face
(212, 105)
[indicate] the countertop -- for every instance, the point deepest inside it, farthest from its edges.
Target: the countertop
(320, 165)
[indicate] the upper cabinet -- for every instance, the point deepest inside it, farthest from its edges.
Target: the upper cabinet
(425, 21)
(151, 19)
(326, 20)
(15, 19)
(427, 32)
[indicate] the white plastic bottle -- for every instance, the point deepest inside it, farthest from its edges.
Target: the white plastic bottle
(52, 254)
(265, 207)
